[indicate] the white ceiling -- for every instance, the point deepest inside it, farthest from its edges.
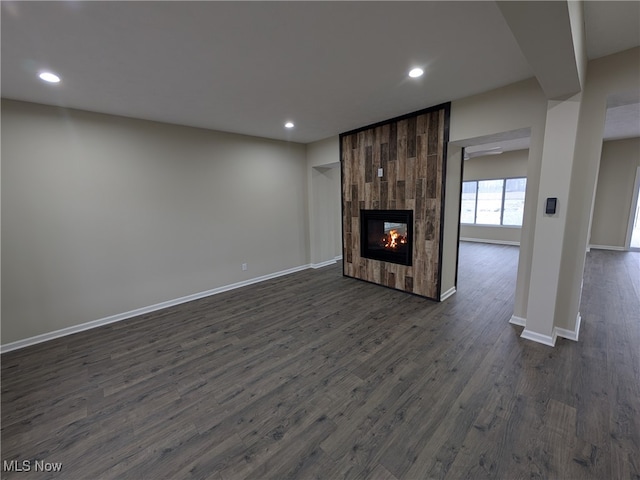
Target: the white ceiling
(247, 67)
(612, 26)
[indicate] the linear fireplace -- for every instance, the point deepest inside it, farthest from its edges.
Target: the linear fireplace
(387, 235)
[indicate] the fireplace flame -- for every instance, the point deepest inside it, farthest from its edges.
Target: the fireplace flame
(393, 239)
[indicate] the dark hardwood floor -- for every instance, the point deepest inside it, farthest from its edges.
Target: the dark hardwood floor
(315, 375)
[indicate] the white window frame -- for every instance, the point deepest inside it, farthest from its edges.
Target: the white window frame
(475, 209)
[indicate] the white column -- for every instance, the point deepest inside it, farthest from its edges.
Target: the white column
(555, 179)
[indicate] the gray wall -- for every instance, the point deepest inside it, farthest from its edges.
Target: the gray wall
(102, 215)
(325, 209)
(508, 164)
(618, 165)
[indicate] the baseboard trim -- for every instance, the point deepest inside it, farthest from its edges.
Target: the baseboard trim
(571, 334)
(607, 247)
(496, 242)
(447, 294)
(143, 310)
(545, 339)
(323, 264)
(538, 337)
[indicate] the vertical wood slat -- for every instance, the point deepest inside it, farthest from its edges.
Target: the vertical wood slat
(384, 158)
(410, 183)
(400, 194)
(368, 164)
(408, 284)
(410, 152)
(401, 164)
(393, 141)
(384, 195)
(433, 133)
(411, 137)
(432, 176)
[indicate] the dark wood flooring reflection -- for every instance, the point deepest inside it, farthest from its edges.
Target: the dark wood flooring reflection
(315, 375)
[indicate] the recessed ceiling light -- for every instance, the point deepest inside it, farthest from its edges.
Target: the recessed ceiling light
(49, 77)
(416, 72)
(289, 125)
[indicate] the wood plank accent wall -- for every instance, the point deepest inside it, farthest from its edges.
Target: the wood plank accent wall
(411, 150)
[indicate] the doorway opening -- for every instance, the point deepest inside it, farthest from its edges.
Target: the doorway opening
(492, 205)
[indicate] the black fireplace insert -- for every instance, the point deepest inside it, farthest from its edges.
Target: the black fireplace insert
(387, 235)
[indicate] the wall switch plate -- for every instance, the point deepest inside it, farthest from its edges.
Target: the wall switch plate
(380, 172)
(244, 267)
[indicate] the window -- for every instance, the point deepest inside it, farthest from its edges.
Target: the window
(513, 210)
(489, 203)
(493, 202)
(468, 211)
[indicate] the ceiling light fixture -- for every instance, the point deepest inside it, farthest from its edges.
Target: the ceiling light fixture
(289, 125)
(416, 72)
(49, 77)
